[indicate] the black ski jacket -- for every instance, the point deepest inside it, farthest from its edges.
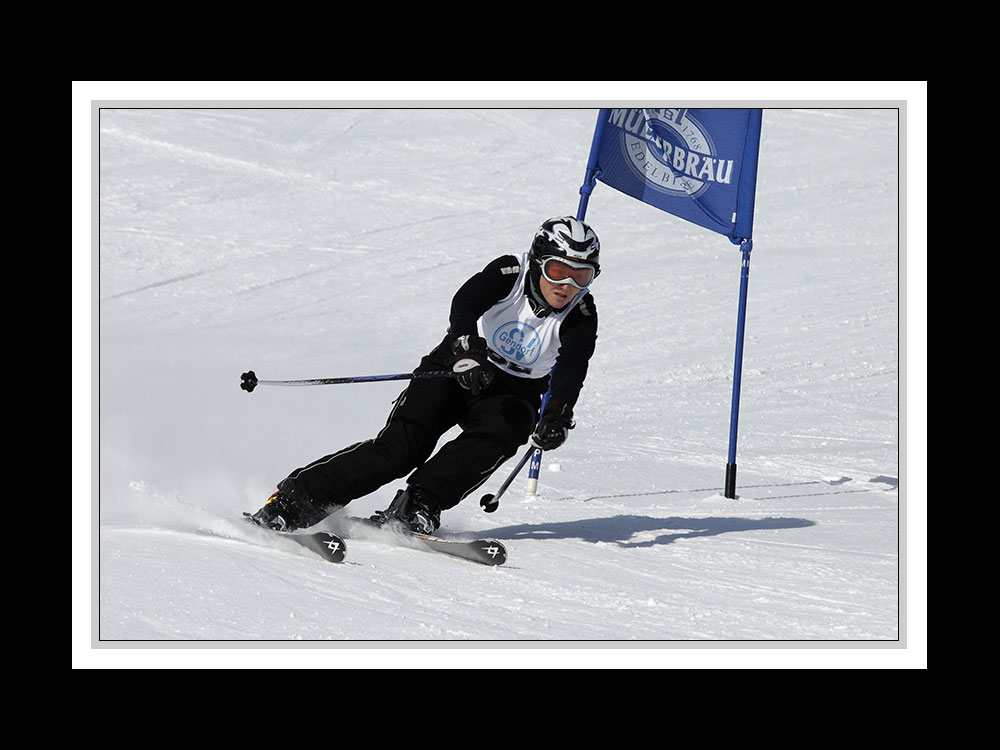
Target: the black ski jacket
(577, 334)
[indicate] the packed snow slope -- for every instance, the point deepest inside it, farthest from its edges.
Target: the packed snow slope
(317, 243)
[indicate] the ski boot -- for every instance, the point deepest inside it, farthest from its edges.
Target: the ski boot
(288, 511)
(274, 515)
(414, 509)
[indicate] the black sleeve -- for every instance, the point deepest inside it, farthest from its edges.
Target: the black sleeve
(578, 336)
(480, 293)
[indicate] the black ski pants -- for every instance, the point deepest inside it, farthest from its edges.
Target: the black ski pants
(494, 424)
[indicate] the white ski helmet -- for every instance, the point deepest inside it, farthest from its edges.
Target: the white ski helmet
(569, 238)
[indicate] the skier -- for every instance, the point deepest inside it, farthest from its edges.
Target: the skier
(510, 326)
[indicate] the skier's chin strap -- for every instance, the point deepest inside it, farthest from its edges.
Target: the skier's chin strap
(539, 306)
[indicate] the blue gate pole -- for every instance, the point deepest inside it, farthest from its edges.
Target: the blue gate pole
(589, 180)
(734, 418)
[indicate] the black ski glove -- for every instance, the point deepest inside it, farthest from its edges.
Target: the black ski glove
(554, 426)
(473, 369)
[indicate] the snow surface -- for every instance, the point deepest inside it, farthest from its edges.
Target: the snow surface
(325, 242)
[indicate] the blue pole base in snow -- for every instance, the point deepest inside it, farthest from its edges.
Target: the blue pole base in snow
(730, 481)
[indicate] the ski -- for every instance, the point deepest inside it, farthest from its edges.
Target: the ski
(482, 551)
(326, 544)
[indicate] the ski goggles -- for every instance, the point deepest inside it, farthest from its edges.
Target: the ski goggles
(562, 271)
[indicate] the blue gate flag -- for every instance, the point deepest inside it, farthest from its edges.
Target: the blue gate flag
(697, 164)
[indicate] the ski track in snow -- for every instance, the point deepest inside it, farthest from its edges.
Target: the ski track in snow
(328, 242)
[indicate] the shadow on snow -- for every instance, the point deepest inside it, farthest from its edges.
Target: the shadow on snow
(621, 529)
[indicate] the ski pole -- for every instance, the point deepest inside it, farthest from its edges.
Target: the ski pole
(490, 502)
(249, 381)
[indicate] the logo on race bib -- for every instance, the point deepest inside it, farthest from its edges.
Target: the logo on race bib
(517, 342)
